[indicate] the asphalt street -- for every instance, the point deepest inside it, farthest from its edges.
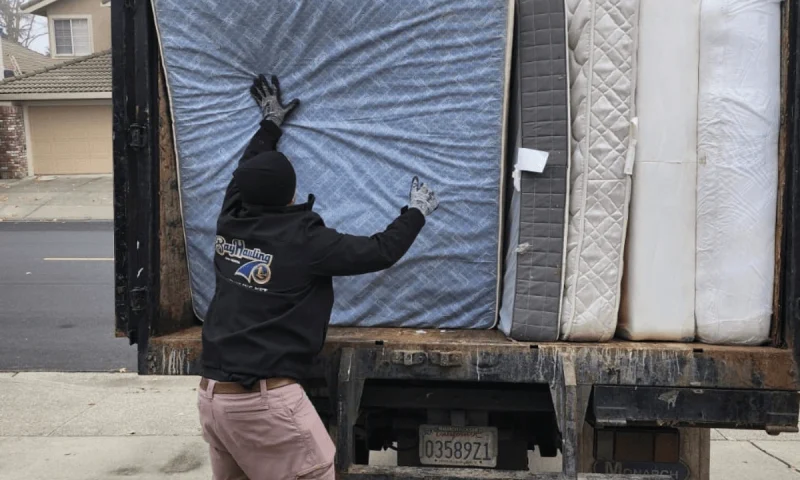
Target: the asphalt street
(57, 299)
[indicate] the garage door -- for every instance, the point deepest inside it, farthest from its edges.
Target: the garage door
(71, 140)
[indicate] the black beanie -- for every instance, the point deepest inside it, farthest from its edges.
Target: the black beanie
(268, 179)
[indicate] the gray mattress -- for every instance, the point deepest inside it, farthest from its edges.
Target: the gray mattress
(533, 282)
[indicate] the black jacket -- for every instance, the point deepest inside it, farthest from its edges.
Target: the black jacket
(274, 293)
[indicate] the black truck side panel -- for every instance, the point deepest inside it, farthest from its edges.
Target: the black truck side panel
(790, 293)
(134, 57)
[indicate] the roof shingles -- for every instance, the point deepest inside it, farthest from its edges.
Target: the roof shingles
(28, 60)
(91, 74)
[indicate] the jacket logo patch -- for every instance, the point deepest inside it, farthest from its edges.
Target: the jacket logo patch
(256, 269)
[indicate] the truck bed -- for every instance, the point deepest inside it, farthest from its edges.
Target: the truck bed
(399, 379)
(154, 306)
(487, 355)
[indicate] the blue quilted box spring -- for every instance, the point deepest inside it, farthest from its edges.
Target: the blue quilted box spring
(389, 89)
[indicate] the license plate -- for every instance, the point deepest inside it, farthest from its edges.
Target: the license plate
(458, 446)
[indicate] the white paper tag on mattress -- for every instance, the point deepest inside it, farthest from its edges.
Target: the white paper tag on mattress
(528, 160)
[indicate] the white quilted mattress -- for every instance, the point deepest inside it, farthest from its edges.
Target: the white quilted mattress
(602, 43)
(658, 289)
(737, 180)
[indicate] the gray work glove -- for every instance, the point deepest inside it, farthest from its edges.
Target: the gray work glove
(422, 198)
(268, 98)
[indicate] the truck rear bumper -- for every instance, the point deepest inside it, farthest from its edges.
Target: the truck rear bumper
(359, 472)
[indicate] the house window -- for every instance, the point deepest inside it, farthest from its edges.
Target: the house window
(72, 36)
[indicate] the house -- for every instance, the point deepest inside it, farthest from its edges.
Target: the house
(77, 27)
(57, 119)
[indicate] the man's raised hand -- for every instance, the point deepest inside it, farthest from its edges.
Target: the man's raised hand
(422, 198)
(268, 97)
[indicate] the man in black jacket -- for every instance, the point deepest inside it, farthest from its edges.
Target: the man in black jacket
(268, 319)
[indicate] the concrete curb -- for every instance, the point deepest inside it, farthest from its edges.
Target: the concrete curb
(70, 221)
(56, 226)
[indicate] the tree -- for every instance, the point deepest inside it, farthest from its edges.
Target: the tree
(19, 27)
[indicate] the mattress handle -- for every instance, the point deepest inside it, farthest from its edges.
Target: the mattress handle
(632, 141)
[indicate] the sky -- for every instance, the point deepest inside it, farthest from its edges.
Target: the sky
(41, 43)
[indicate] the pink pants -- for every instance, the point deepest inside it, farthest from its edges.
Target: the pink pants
(272, 435)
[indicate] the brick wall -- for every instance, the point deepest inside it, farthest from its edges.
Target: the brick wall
(13, 156)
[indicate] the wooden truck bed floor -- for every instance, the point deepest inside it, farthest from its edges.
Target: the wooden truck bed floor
(487, 355)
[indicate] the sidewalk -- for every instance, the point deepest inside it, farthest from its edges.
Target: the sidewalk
(92, 426)
(96, 426)
(57, 198)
